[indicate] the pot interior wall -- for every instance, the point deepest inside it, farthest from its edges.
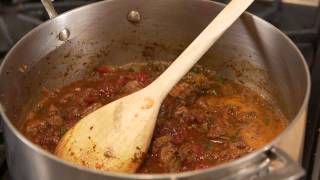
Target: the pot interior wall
(251, 52)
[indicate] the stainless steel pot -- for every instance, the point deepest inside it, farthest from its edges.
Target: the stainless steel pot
(68, 46)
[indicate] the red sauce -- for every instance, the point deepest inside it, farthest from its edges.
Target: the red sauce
(204, 121)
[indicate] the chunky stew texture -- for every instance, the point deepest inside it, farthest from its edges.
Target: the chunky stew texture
(205, 120)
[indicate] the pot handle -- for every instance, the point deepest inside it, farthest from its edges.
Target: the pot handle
(278, 166)
(49, 8)
(64, 34)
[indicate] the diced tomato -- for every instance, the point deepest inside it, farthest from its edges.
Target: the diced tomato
(90, 99)
(198, 149)
(202, 165)
(122, 81)
(142, 77)
(164, 131)
(109, 89)
(179, 135)
(103, 69)
(70, 122)
(185, 166)
(45, 91)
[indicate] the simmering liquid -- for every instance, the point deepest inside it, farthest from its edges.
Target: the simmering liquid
(204, 121)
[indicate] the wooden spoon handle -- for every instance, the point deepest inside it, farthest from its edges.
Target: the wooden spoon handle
(199, 46)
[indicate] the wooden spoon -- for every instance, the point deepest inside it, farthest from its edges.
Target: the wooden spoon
(117, 136)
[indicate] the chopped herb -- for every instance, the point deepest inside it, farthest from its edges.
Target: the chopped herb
(203, 128)
(208, 145)
(162, 67)
(267, 120)
(63, 130)
(195, 70)
(210, 120)
(234, 137)
(220, 79)
(136, 68)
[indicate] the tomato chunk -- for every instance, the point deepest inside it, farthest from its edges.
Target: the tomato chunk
(103, 69)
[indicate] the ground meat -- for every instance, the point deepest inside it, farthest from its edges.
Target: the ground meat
(33, 126)
(186, 152)
(200, 79)
(174, 165)
(204, 121)
(89, 96)
(131, 86)
(168, 153)
(203, 128)
(182, 90)
(168, 157)
(31, 115)
(181, 111)
(216, 132)
(66, 98)
(160, 142)
(240, 144)
(91, 108)
(190, 152)
(54, 118)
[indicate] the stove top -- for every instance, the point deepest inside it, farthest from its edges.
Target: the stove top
(301, 23)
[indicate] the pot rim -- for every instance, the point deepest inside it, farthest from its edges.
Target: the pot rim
(235, 162)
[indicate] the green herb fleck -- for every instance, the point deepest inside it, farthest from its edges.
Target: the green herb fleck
(221, 79)
(63, 130)
(267, 120)
(234, 137)
(136, 68)
(195, 70)
(203, 128)
(208, 145)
